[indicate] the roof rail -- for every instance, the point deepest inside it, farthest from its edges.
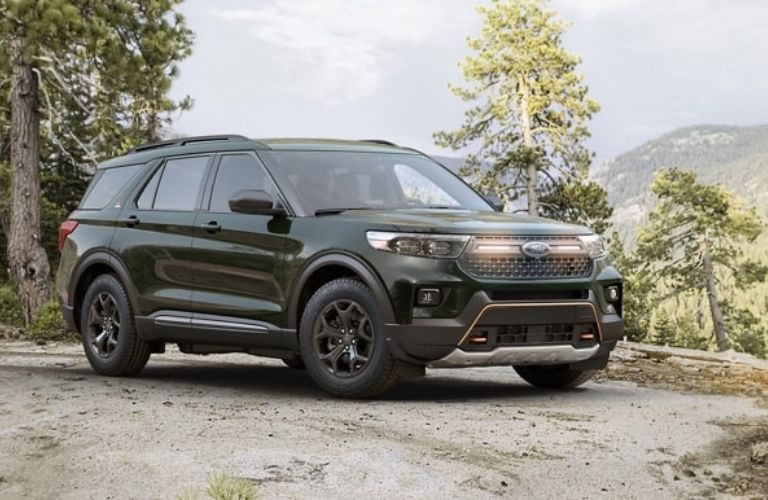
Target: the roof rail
(183, 141)
(379, 141)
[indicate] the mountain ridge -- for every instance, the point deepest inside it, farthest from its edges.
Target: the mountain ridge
(734, 156)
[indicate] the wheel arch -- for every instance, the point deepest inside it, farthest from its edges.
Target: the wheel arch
(90, 267)
(328, 267)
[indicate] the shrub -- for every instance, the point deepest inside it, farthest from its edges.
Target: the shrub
(48, 324)
(10, 308)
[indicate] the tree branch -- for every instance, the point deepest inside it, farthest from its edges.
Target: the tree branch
(62, 83)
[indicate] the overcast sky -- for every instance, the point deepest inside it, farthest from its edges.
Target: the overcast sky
(380, 68)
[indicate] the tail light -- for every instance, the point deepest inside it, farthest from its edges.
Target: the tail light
(65, 229)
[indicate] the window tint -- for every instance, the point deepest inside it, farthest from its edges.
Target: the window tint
(238, 172)
(106, 185)
(148, 193)
(180, 183)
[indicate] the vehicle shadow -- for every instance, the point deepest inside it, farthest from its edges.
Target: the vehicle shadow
(276, 381)
(280, 381)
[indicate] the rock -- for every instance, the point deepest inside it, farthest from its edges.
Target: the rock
(760, 453)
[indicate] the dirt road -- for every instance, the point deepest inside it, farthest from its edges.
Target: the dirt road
(68, 433)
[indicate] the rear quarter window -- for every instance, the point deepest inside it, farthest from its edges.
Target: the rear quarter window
(105, 186)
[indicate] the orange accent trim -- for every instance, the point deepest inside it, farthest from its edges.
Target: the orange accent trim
(535, 304)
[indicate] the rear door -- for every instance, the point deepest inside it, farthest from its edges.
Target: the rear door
(238, 258)
(154, 237)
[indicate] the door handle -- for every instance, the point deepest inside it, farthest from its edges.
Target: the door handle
(212, 226)
(130, 221)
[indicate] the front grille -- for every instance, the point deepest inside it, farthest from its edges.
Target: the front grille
(527, 268)
(501, 257)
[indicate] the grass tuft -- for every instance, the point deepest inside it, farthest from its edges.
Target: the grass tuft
(222, 486)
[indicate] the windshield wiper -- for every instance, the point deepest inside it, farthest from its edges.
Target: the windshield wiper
(332, 211)
(442, 207)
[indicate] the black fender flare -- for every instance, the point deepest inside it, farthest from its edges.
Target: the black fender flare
(363, 270)
(107, 258)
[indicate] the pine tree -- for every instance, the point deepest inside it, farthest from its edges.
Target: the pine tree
(664, 329)
(637, 294)
(528, 124)
(695, 239)
(86, 80)
(578, 202)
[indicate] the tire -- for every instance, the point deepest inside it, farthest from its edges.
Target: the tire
(112, 346)
(554, 377)
(334, 359)
(295, 362)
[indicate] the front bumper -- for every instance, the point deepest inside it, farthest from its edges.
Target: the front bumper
(446, 342)
(517, 355)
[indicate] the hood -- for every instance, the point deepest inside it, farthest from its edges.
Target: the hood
(459, 222)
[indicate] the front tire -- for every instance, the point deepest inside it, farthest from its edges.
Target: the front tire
(108, 330)
(343, 342)
(554, 377)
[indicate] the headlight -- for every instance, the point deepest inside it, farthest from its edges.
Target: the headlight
(441, 246)
(594, 246)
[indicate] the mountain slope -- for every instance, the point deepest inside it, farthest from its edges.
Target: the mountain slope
(736, 157)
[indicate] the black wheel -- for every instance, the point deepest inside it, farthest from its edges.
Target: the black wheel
(108, 329)
(295, 362)
(342, 341)
(554, 377)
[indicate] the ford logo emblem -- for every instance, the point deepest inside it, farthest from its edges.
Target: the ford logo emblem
(536, 249)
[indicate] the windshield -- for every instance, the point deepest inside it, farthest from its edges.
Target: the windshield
(325, 181)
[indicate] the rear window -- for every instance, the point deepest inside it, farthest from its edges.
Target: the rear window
(106, 184)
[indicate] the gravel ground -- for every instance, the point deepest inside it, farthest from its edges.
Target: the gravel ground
(68, 433)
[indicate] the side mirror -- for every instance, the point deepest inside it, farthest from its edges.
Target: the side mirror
(254, 201)
(495, 202)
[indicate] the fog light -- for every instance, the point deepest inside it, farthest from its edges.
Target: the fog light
(478, 339)
(428, 297)
(612, 294)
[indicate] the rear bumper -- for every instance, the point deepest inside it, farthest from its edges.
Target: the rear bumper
(445, 342)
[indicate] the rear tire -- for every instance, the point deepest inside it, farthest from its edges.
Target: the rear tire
(343, 342)
(108, 330)
(554, 377)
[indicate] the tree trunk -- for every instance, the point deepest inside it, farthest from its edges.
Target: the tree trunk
(532, 185)
(718, 322)
(27, 260)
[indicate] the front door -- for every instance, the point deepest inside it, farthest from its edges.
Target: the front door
(238, 258)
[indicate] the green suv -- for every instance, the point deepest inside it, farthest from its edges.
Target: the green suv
(361, 261)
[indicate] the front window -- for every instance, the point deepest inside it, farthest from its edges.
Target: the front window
(236, 172)
(329, 180)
